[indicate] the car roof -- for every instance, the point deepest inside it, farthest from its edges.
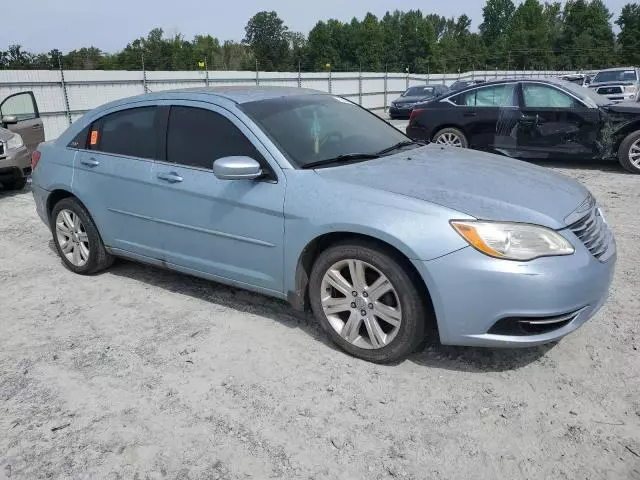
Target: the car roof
(240, 93)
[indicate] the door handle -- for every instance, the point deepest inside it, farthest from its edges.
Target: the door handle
(470, 114)
(171, 177)
(36, 127)
(529, 118)
(90, 162)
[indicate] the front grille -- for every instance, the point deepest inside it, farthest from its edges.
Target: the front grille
(594, 232)
(609, 90)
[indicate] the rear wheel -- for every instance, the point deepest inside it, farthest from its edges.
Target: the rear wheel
(77, 239)
(629, 152)
(367, 302)
(451, 137)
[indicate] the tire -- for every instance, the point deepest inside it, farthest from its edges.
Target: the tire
(97, 258)
(406, 299)
(629, 152)
(462, 141)
(16, 184)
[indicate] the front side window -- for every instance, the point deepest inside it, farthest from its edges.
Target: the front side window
(544, 96)
(197, 137)
(132, 132)
(493, 96)
(310, 129)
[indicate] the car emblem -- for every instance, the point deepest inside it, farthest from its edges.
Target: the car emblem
(587, 205)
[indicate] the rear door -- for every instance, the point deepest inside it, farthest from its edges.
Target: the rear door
(555, 123)
(487, 115)
(24, 107)
(228, 229)
(113, 177)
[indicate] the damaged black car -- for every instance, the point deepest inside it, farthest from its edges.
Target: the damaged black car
(532, 119)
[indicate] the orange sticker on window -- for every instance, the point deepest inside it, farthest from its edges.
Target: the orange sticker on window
(94, 138)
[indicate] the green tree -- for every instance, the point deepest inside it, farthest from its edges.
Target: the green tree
(267, 35)
(496, 16)
(528, 38)
(587, 39)
(83, 59)
(629, 36)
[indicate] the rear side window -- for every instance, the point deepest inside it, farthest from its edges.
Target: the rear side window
(196, 137)
(494, 96)
(132, 132)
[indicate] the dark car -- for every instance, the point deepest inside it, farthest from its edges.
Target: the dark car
(460, 84)
(532, 119)
(401, 107)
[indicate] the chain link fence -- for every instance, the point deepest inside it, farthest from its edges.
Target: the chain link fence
(65, 95)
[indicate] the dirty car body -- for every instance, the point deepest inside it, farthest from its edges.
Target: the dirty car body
(530, 119)
(335, 176)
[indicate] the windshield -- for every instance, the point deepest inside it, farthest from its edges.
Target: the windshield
(419, 92)
(627, 75)
(309, 129)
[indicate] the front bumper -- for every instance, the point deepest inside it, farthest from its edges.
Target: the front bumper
(471, 292)
(15, 164)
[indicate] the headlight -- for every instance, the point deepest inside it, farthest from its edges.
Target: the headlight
(513, 241)
(630, 89)
(14, 141)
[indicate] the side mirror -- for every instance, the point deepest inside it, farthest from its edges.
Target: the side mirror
(9, 119)
(237, 168)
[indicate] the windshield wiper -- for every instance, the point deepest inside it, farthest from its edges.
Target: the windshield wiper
(397, 146)
(342, 158)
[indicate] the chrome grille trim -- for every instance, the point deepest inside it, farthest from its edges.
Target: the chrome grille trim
(593, 232)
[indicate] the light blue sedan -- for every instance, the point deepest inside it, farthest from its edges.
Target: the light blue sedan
(308, 197)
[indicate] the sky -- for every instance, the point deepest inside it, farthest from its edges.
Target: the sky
(110, 25)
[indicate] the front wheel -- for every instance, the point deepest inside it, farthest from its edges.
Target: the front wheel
(451, 137)
(367, 302)
(629, 152)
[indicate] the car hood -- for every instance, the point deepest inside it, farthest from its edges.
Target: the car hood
(482, 185)
(614, 83)
(623, 107)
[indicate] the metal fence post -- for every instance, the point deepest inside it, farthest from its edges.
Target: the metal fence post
(428, 71)
(299, 76)
(386, 77)
(330, 81)
(206, 72)
(407, 70)
(144, 76)
(360, 85)
(64, 92)
(257, 74)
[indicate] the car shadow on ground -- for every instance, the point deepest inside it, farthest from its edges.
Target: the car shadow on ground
(597, 165)
(5, 193)
(431, 354)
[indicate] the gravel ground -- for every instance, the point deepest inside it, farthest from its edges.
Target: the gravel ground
(142, 373)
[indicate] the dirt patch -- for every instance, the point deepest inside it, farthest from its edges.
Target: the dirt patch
(143, 373)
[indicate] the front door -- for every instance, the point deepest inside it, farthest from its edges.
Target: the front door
(233, 230)
(554, 123)
(113, 178)
(29, 125)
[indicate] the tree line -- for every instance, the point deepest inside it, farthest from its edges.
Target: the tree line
(529, 35)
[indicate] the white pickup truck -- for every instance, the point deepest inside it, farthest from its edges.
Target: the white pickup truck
(618, 84)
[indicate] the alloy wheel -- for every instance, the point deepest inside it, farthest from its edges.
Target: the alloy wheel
(450, 139)
(634, 154)
(72, 238)
(361, 304)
